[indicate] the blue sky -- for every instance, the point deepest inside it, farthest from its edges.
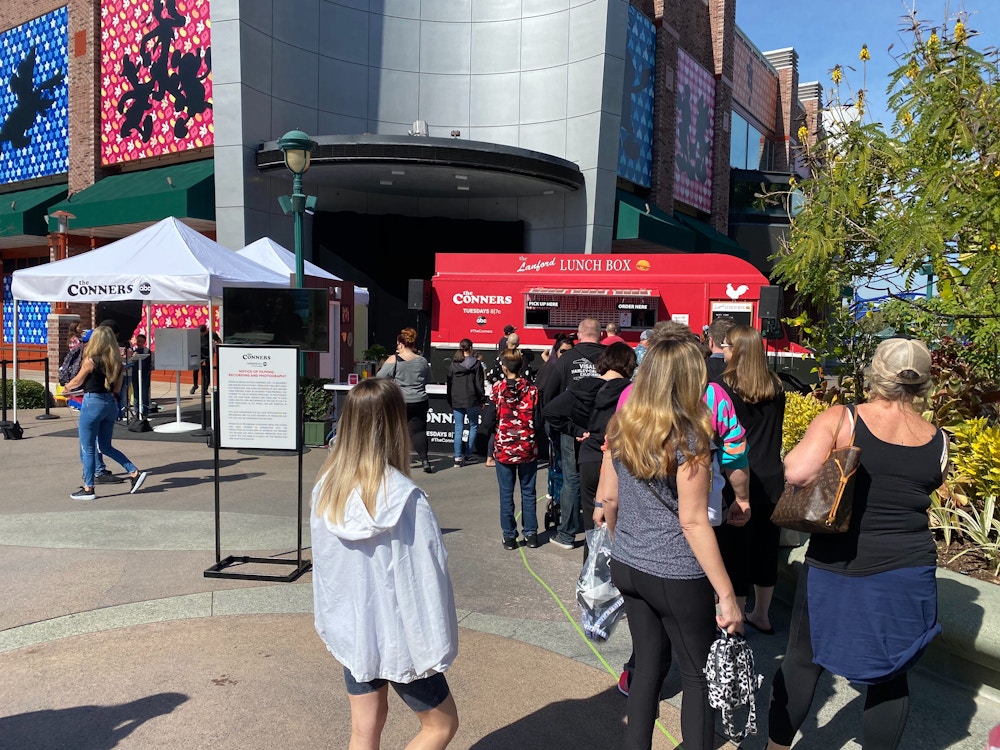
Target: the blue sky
(831, 33)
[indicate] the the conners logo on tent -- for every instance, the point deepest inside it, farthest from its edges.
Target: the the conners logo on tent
(82, 288)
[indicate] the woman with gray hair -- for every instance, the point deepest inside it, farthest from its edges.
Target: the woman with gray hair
(866, 602)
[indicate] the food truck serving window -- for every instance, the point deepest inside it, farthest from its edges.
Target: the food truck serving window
(564, 308)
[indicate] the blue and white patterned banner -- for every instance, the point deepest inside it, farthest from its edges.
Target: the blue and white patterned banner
(34, 99)
(32, 319)
(635, 147)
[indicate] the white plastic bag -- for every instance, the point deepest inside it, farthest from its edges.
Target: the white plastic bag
(601, 605)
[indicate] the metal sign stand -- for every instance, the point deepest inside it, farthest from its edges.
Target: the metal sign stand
(222, 566)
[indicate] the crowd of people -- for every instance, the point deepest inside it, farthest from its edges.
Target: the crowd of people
(675, 446)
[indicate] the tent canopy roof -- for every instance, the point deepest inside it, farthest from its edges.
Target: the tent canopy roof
(269, 253)
(167, 262)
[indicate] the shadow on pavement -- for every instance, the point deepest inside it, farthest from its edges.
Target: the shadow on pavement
(84, 727)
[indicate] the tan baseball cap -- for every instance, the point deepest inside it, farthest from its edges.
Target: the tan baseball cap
(903, 361)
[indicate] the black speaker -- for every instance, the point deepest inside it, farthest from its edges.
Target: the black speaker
(126, 313)
(770, 303)
(418, 295)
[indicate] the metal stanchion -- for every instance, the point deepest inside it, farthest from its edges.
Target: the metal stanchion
(47, 415)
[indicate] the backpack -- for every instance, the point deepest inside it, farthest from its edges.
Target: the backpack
(70, 365)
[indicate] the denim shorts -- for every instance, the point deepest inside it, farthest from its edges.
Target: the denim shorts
(419, 695)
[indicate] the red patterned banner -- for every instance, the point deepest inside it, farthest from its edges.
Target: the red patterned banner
(156, 84)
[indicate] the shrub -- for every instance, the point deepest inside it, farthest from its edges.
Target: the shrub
(316, 400)
(30, 395)
(799, 412)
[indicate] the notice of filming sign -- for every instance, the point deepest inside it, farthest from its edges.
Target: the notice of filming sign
(258, 391)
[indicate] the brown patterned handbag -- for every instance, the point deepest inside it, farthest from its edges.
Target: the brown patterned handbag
(824, 505)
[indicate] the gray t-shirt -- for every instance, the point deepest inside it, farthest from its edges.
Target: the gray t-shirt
(412, 376)
(648, 536)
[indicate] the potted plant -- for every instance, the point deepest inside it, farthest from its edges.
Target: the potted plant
(317, 403)
(371, 358)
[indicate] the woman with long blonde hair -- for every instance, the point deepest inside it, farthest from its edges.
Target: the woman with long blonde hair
(751, 551)
(383, 597)
(664, 557)
(100, 378)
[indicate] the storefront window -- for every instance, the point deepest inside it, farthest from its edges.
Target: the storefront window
(749, 148)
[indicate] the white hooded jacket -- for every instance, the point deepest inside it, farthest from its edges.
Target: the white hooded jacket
(382, 596)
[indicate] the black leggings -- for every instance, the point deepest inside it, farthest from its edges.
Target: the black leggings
(750, 552)
(664, 612)
(416, 422)
(886, 703)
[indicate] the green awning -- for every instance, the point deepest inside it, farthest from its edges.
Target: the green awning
(710, 240)
(637, 219)
(23, 211)
(186, 191)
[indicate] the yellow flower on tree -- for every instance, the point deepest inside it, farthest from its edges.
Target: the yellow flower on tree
(912, 70)
(993, 246)
(933, 42)
(803, 134)
(960, 33)
(996, 172)
(791, 182)
(837, 74)
(864, 56)
(906, 118)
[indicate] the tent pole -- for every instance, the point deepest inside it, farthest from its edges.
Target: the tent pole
(15, 360)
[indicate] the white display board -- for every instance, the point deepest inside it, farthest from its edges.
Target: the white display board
(258, 397)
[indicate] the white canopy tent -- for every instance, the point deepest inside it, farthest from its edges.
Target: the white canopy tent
(269, 253)
(166, 263)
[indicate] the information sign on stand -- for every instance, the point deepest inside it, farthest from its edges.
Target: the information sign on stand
(258, 407)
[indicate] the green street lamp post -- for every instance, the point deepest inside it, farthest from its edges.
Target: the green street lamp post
(928, 270)
(296, 148)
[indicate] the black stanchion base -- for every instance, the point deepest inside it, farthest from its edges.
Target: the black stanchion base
(47, 416)
(140, 425)
(219, 569)
(11, 430)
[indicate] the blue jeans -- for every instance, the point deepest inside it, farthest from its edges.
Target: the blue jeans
(569, 501)
(458, 416)
(98, 415)
(505, 478)
(555, 463)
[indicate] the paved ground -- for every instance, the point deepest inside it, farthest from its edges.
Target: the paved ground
(111, 636)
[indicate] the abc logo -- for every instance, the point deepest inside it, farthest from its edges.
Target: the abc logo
(145, 288)
(481, 320)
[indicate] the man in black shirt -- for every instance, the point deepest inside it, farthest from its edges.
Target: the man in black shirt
(574, 371)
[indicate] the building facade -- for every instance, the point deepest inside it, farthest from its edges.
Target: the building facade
(513, 126)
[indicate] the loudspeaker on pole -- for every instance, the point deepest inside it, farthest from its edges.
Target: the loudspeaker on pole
(419, 295)
(770, 303)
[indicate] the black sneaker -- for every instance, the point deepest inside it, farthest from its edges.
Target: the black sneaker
(83, 494)
(137, 481)
(510, 542)
(470, 460)
(428, 469)
(108, 478)
(531, 540)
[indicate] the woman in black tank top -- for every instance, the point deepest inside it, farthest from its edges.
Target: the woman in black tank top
(100, 379)
(883, 566)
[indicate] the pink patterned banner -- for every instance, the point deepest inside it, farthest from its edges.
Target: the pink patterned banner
(693, 156)
(156, 84)
(176, 316)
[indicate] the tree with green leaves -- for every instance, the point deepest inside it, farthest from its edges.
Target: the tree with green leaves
(925, 191)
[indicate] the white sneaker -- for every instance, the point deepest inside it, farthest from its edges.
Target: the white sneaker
(137, 481)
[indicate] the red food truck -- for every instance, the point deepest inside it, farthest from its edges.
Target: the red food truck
(475, 295)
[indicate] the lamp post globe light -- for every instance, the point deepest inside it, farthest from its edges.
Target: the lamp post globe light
(296, 148)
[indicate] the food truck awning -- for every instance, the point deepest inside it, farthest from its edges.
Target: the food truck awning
(597, 292)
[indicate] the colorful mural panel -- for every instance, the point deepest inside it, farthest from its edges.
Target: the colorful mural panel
(177, 316)
(32, 319)
(635, 148)
(156, 84)
(755, 85)
(34, 99)
(693, 157)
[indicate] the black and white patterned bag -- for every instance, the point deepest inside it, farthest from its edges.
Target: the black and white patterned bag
(733, 682)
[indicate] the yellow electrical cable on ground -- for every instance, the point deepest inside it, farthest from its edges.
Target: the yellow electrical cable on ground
(576, 626)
